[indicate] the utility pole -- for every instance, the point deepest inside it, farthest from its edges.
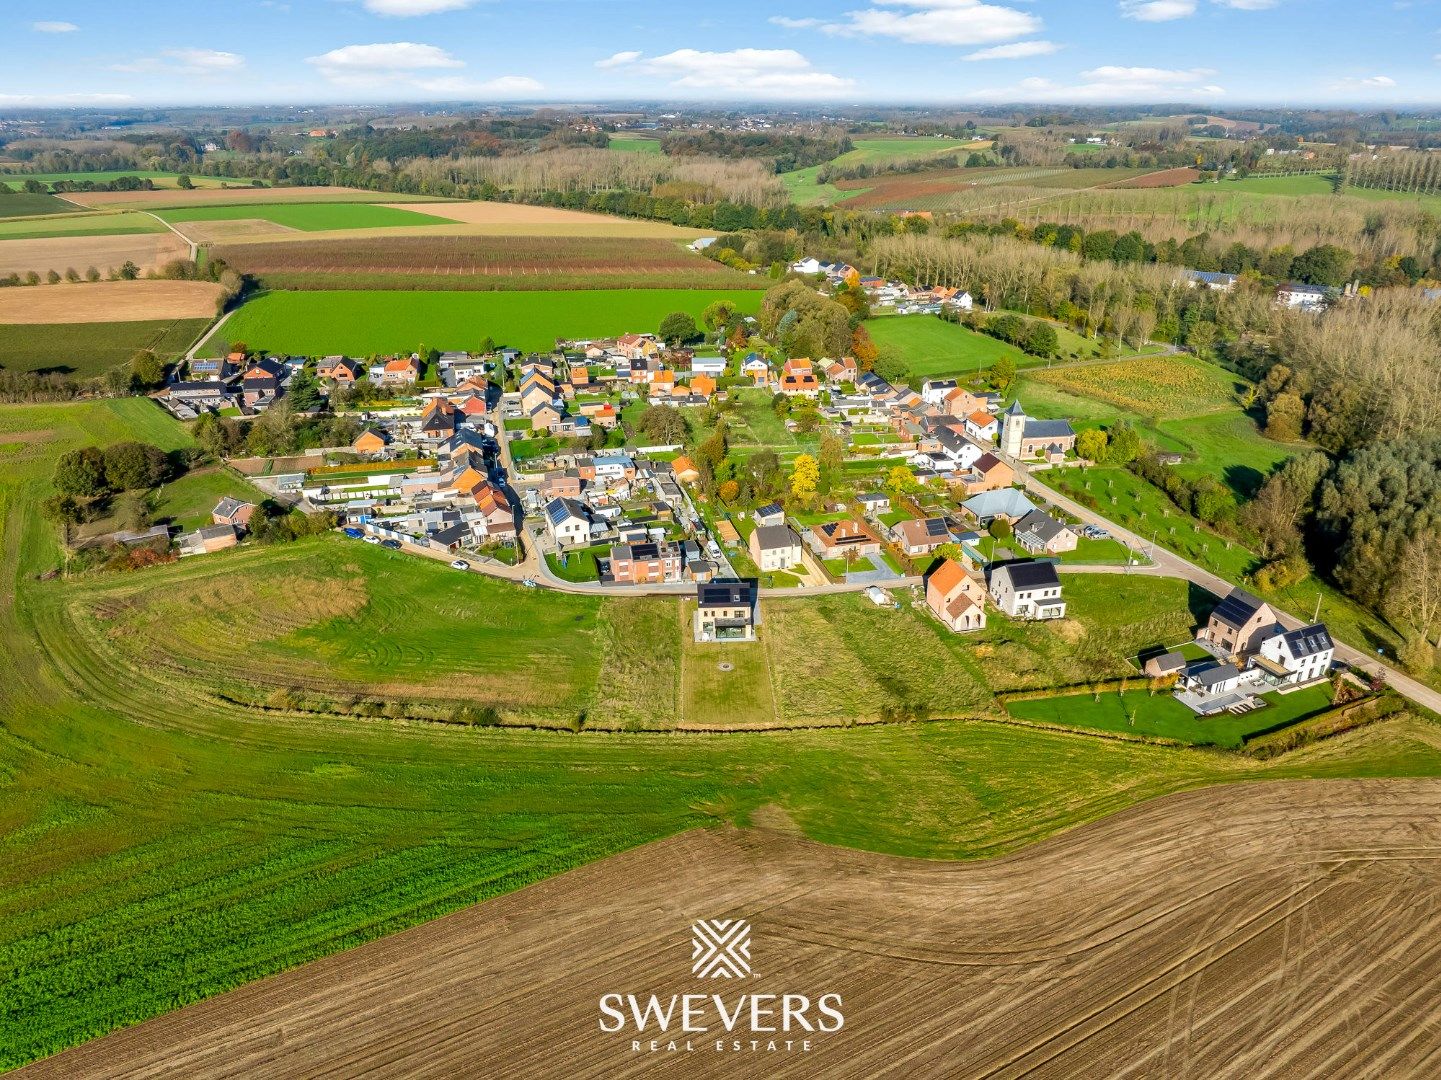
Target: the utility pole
(1317, 617)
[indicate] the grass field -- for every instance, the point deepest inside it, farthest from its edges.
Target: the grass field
(86, 349)
(1157, 386)
(16, 181)
(307, 217)
(638, 144)
(78, 224)
(1138, 712)
(24, 204)
(186, 503)
(364, 323)
(159, 843)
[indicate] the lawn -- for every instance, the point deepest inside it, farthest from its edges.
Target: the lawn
(307, 217)
(86, 349)
(578, 564)
(360, 323)
(1139, 712)
(77, 225)
(162, 179)
(160, 842)
(187, 502)
(932, 347)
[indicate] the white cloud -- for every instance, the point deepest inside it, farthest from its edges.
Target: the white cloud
(389, 61)
(1157, 10)
(794, 24)
(620, 59)
(1113, 83)
(1247, 5)
(403, 9)
(189, 61)
(940, 22)
(1015, 51)
(756, 72)
(1364, 82)
(54, 27)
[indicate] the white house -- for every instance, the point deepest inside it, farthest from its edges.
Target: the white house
(715, 366)
(962, 301)
(775, 547)
(806, 266)
(934, 391)
(1301, 297)
(568, 522)
(1028, 590)
(1297, 656)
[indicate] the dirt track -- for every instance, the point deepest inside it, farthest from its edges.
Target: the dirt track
(1281, 929)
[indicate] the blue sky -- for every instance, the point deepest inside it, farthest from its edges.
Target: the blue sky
(1293, 52)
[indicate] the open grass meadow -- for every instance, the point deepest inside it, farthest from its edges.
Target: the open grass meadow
(85, 349)
(40, 228)
(16, 181)
(635, 144)
(361, 323)
(15, 203)
(932, 347)
(307, 216)
(161, 842)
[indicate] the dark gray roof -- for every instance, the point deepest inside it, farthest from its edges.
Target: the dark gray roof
(1041, 525)
(726, 593)
(1048, 429)
(452, 535)
(773, 537)
(1309, 640)
(1036, 574)
(1214, 676)
(1237, 608)
(1168, 661)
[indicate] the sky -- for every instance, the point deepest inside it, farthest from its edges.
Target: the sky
(1226, 52)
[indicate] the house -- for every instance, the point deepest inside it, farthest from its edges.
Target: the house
(770, 514)
(806, 266)
(261, 383)
(568, 522)
(955, 451)
(934, 391)
(438, 422)
(756, 369)
(1007, 503)
(987, 473)
(703, 385)
(1039, 533)
(210, 538)
(372, 441)
(563, 485)
(1238, 625)
(1028, 590)
(684, 470)
(983, 426)
(544, 416)
(1296, 657)
(1164, 664)
(727, 610)
(612, 467)
(714, 366)
(1210, 680)
(874, 502)
(798, 379)
(1211, 279)
(233, 512)
(960, 403)
(1296, 296)
(844, 370)
(834, 539)
(206, 394)
(775, 547)
(646, 563)
(215, 368)
(401, 371)
(921, 537)
(494, 517)
(451, 538)
(1023, 436)
(340, 370)
(956, 598)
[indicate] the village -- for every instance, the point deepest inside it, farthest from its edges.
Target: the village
(580, 469)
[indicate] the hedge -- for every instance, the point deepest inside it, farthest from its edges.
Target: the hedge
(1323, 725)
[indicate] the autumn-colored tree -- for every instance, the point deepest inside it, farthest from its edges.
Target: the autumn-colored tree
(728, 491)
(805, 476)
(863, 348)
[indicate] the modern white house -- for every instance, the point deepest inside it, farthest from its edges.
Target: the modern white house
(775, 547)
(568, 522)
(1028, 590)
(1296, 657)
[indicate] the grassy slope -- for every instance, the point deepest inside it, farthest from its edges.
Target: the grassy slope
(86, 349)
(156, 848)
(308, 217)
(362, 323)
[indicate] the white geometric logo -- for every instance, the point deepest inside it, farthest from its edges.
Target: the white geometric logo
(721, 949)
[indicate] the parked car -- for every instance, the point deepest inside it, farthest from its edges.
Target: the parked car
(354, 534)
(460, 564)
(372, 539)
(394, 545)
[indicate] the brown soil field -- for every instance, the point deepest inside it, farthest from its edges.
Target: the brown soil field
(109, 301)
(225, 196)
(1165, 178)
(210, 232)
(59, 253)
(500, 213)
(1260, 930)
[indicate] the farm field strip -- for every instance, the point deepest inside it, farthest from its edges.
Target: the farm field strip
(91, 348)
(1199, 933)
(238, 192)
(1161, 386)
(307, 217)
(109, 302)
(36, 228)
(61, 253)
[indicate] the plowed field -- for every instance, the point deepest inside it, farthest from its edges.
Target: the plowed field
(1278, 929)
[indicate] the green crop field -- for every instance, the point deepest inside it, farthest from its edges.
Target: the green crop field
(365, 323)
(16, 181)
(307, 216)
(932, 347)
(638, 144)
(24, 204)
(1161, 386)
(37, 228)
(85, 349)
(160, 843)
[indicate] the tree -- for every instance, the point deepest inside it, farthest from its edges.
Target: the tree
(1041, 339)
(147, 371)
(132, 511)
(678, 327)
(1324, 264)
(1003, 373)
(717, 315)
(135, 466)
(81, 473)
(92, 274)
(129, 271)
(1284, 415)
(662, 425)
(805, 477)
(863, 348)
(728, 491)
(184, 182)
(1000, 528)
(1123, 444)
(832, 454)
(891, 366)
(218, 436)
(304, 390)
(900, 482)
(803, 322)
(1091, 444)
